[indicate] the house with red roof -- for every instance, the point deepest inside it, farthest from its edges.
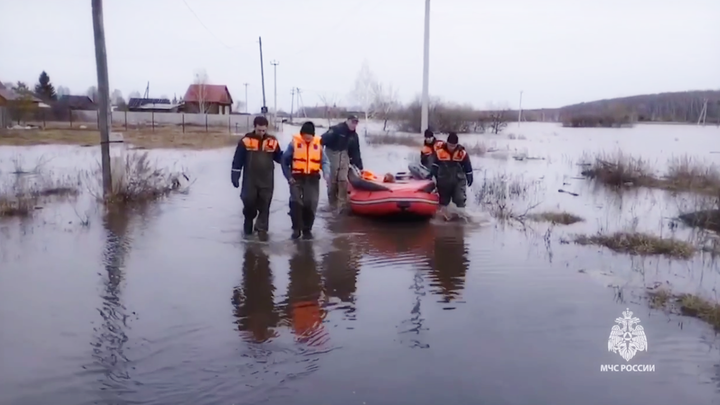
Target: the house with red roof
(208, 99)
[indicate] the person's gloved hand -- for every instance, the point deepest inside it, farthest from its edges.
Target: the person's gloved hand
(235, 178)
(291, 181)
(469, 179)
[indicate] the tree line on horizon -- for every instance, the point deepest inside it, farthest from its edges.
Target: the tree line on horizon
(378, 101)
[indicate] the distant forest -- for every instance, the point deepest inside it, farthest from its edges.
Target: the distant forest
(686, 107)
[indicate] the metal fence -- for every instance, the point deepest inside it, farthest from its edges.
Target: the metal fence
(126, 120)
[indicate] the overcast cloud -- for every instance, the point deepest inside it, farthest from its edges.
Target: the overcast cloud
(557, 51)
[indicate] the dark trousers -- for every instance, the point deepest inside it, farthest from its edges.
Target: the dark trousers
(455, 191)
(304, 196)
(256, 203)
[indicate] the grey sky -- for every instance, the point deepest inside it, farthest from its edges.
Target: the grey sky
(558, 51)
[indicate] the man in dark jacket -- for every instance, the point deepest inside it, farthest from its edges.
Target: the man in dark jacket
(453, 172)
(302, 163)
(342, 146)
(257, 152)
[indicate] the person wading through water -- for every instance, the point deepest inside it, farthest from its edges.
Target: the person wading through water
(430, 145)
(452, 170)
(257, 153)
(302, 163)
(342, 146)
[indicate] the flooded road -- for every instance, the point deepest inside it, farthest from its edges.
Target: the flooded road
(171, 305)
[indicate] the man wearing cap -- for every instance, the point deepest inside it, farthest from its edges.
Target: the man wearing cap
(302, 163)
(342, 145)
(452, 170)
(256, 153)
(430, 145)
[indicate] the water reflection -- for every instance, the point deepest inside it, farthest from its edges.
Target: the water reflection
(340, 267)
(304, 305)
(254, 299)
(110, 337)
(449, 262)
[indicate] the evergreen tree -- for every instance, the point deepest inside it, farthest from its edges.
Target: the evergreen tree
(44, 89)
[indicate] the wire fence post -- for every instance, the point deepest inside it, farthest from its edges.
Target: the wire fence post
(183, 122)
(206, 123)
(152, 120)
(126, 120)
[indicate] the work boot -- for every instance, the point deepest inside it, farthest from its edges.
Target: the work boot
(263, 236)
(295, 234)
(307, 234)
(248, 227)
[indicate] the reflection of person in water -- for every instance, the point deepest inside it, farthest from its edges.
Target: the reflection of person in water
(254, 300)
(449, 263)
(340, 268)
(304, 307)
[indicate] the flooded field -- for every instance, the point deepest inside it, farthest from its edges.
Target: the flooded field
(170, 304)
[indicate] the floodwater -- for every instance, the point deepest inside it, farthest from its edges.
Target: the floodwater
(171, 305)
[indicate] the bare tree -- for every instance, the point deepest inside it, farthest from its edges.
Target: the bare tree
(385, 102)
(92, 92)
(240, 106)
(365, 85)
(116, 97)
(497, 117)
(201, 81)
(329, 103)
(62, 91)
(134, 94)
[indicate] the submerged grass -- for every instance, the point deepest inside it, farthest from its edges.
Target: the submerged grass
(160, 138)
(688, 305)
(683, 173)
(560, 217)
(638, 243)
(477, 149)
(136, 180)
(508, 197)
(22, 196)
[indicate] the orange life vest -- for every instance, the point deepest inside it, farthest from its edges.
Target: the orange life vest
(427, 150)
(458, 155)
(368, 175)
(307, 318)
(307, 157)
(269, 144)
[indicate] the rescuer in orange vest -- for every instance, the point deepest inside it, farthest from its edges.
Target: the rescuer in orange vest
(256, 153)
(302, 163)
(430, 145)
(453, 172)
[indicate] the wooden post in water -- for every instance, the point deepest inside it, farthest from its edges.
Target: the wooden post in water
(103, 94)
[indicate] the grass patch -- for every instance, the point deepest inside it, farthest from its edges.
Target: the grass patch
(160, 138)
(508, 197)
(688, 305)
(477, 149)
(684, 173)
(394, 139)
(638, 243)
(136, 180)
(562, 217)
(620, 170)
(21, 197)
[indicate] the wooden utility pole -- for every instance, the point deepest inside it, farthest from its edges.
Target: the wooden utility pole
(246, 101)
(103, 94)
(424, 113)
(292, 103)
(275, 65)
(264, 108)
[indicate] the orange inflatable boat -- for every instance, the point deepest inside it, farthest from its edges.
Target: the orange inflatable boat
(398, 195)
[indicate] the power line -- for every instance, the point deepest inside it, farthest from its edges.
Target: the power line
(205, 26)
(312, 43)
